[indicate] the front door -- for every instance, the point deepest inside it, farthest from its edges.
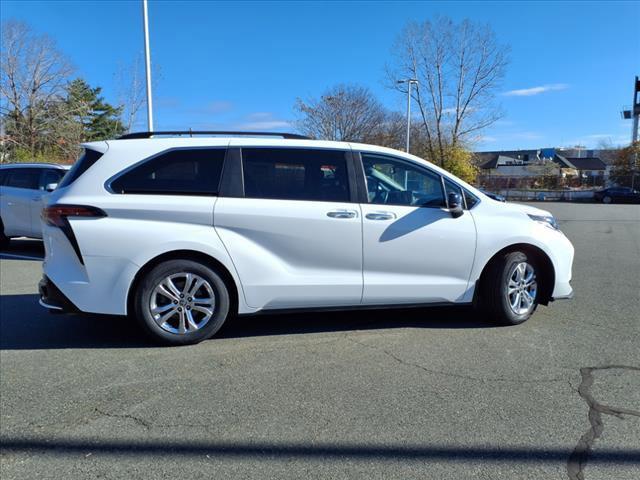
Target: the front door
(414, 250)
(296, 236)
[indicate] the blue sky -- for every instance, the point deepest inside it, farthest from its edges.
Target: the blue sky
(243, 64)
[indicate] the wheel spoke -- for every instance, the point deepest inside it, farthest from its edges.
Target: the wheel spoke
(528, 299)
(196, 286)
(192, 325)
(162, 309)
(207, 311)
(162, 320)
(188, 280)
(515, 302)
(182, 328)
(166, 293)
(529, 277)
(168, 283)
(204, 301)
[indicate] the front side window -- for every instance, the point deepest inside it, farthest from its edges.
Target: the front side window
(295, 174)
(176, 172)
(26, 178)
(391, 181)
(470, 199)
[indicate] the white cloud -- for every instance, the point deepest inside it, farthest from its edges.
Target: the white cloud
(262, 121)
(265, 125)
(528, 92)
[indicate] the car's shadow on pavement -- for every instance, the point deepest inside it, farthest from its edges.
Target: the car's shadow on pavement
(25, 325)
(23, 248)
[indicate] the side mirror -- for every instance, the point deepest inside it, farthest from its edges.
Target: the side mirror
(50, 187)
(455, 204)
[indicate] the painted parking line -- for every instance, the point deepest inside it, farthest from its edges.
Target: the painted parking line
(14, 256)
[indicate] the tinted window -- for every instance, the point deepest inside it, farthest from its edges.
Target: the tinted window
(470, 199)
(50, 176)
(176, 172)
(391, 181)
(295, 174)
(23, 178)
(3, 176)
(88, 158)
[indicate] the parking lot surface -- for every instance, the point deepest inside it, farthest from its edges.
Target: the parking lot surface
(427, 393)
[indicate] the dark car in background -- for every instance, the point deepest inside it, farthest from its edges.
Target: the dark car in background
(617, 195)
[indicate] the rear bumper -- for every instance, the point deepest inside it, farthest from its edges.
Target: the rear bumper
(53, 299)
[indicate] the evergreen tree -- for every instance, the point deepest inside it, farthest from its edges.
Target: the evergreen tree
(96, 119)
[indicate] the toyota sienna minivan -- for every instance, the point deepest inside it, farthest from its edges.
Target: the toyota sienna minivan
(181, 231)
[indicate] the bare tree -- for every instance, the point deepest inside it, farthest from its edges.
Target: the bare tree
(459, 67)
(343, 112)
(130, 85)
(33, 76)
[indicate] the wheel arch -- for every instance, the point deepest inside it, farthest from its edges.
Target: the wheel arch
(194, 255)
(542, 259)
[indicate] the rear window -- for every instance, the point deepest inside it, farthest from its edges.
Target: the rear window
(176, 172)
(88, 158)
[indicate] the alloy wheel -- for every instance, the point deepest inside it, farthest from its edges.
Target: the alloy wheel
(182, 303)
(522, 288)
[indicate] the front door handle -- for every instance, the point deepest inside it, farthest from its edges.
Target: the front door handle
(342, 214)
(36, 199)
(381, 216)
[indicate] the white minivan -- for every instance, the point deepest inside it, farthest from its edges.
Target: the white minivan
(180, 231)
(22, 187)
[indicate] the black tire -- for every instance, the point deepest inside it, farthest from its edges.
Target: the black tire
(606, 199)
(4, 240)
(493, 297)
(145, 291)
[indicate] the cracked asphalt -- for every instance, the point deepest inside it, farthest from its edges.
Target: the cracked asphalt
(429, 393)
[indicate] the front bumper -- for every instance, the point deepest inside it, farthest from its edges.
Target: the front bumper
(53, 299)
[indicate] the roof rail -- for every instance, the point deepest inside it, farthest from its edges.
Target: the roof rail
(137, 135)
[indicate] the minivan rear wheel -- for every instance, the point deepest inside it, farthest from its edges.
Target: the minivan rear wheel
(181, 302)
(509, 290)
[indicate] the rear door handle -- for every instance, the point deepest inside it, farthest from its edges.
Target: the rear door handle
(342, 214)
(36, 199)
(381, 216)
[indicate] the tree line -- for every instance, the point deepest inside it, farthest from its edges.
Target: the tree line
(46, 112)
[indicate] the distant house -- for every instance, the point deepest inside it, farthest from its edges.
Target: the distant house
(490, 160)
(587, 166)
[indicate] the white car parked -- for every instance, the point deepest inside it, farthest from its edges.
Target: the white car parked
(22, 187)
(182, 232)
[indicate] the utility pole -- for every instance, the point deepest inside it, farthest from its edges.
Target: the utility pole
(634, 114)
(409, 82)
(147, 61)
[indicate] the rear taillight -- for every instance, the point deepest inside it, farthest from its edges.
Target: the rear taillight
(57, 215)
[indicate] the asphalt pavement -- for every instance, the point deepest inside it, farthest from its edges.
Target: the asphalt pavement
(428, 393)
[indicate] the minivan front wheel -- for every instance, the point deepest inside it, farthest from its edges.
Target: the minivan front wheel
(181, 302)
(509, 291)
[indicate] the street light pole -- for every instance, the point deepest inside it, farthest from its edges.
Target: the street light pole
(409, 82)
(147, 61)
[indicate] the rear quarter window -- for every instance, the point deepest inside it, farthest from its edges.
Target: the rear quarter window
(193, 171)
